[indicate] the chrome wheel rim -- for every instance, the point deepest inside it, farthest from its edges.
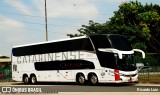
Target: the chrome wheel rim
(81, 79)
(33, 79)
(94, 79)
(26, 80)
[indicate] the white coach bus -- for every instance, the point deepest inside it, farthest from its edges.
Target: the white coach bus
(107, 58)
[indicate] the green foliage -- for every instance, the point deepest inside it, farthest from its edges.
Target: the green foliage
(138, 23)
(151, 60)
(4, 57)
(140, 45)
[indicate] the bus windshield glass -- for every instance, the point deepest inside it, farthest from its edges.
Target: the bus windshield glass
(111, 41)
(126, 63)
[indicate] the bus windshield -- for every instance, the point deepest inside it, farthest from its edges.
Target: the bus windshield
(126, 63)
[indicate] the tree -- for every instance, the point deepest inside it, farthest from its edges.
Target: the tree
(139, 23)
(93, 28)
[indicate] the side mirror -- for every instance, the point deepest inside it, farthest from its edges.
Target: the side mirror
(138, 50)
(145, 69)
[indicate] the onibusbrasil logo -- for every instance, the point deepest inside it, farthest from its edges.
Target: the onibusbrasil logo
(21, 90)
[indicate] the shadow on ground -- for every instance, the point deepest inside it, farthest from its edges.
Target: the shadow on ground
(75, 84)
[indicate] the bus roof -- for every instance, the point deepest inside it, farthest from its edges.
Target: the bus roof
(90, 43)
(66, 39)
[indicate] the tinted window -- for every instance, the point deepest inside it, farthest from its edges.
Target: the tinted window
(63, 46)
(111, 41)
(107, 59)
(120, 43)
(64, 65)
(100, 41)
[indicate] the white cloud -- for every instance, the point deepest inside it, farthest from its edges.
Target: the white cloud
(16, 38)
(19, 5)
(68, 8)
(61, 33)
(12, 30)
(8, 24)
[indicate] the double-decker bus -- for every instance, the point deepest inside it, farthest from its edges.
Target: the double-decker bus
(107, 58)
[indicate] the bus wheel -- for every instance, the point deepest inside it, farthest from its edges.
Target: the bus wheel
(81, 79)
(25, 79)
(93, 79)
(33, 79)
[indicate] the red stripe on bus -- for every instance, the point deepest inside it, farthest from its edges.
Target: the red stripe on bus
(116, 74)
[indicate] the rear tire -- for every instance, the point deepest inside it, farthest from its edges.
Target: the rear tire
(26, 79)
(33, 79)
(81, 79)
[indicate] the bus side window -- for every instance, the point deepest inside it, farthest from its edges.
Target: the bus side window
(14, 67)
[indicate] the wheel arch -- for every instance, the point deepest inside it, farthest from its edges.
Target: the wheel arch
(90, 74)
(32, 74)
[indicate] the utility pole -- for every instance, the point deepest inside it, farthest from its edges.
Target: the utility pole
(46, 21)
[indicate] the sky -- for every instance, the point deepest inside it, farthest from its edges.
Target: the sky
(23, 21)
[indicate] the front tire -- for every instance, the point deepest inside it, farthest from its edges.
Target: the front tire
(26, 79)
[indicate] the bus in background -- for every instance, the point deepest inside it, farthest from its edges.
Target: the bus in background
(107, 58)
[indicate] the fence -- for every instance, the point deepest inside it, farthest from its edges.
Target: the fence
(5, 74)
